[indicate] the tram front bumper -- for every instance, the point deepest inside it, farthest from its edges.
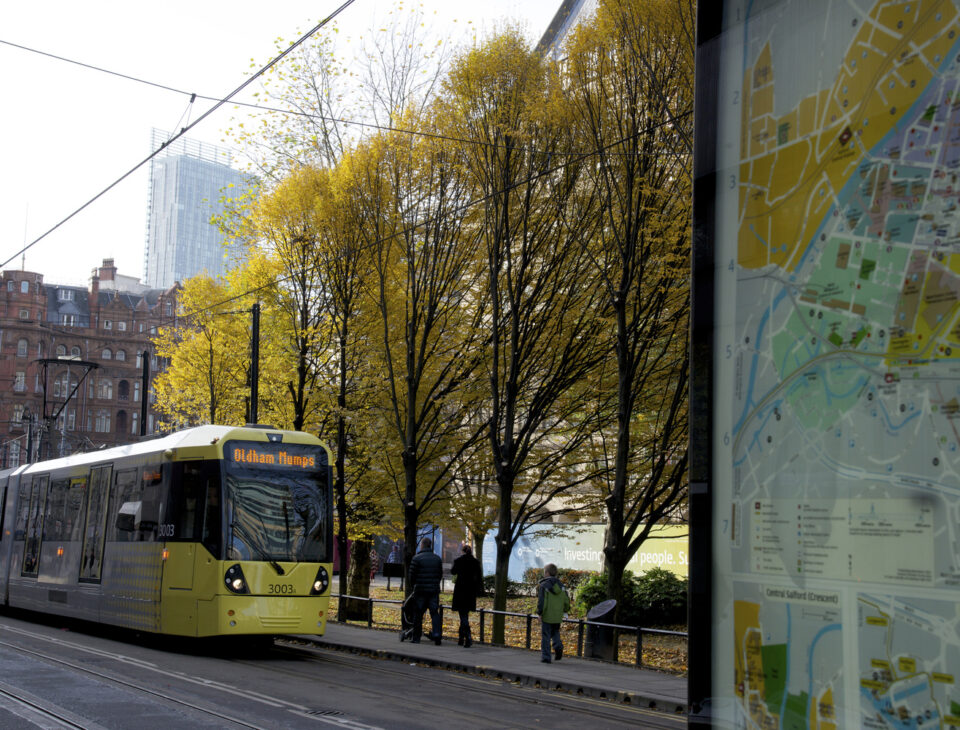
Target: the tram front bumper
(246, 614)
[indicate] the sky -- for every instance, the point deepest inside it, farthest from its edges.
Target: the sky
(67, 132)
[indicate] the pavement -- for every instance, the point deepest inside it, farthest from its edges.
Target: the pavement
(590, 677)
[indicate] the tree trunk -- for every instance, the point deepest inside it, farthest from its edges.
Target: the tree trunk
(500, 588)
(409, 540)
(340, 483)
(342, 541)
(615, 544)
(358, 583)
(504, 548)
(476, 539)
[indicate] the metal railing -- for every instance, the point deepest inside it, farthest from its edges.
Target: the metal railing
(582, 626)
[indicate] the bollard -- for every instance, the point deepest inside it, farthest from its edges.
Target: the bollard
(481, 625)
(639, 659)
(529, 626)
(580, 638)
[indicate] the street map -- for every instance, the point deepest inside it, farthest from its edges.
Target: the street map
(837, 422)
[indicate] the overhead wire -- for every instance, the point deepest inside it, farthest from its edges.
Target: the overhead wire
(219, 103)
(428, 221)
(577, 156)
(263, 107)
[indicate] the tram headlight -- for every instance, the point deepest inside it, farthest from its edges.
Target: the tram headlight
(234, 580)
(320, 583)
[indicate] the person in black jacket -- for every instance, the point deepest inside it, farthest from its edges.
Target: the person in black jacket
(469, 585)
(426, 571)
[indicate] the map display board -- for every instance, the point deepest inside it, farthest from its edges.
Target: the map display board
(835, 431)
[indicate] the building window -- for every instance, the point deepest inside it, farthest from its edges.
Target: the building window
(72, 419)
(13, 455)
(18, 413)
(102, 424)
(106, 354)
(63, 387)
(136, 390)
(141, 326)
(75, 351)
(122, 326)
(24, 287)
(10, 285)
(121, 355)
(134, 423)
(108, 324)
(105, 389)
(168, 308)
(65, 295)
(22, 346)
(61, 350)
(139, 358)
(68, 320)
(121, 421)
(24, 314)
(20, 382)
(89, 421)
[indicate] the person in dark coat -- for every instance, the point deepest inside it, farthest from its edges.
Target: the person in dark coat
(426, 571)
(468, 585)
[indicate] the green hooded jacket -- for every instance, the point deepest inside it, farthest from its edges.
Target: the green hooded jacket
(552, 601)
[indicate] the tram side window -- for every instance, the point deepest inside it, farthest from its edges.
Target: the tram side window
(23, 510)
(128, 508)
(94, 531)
(56, 524)
(151, 501)
(76, 501)
(34, 529)
(3, 511)
(195, 504)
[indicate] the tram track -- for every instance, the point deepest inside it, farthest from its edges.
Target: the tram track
(590, 707)
(14, 693)
(39, 712)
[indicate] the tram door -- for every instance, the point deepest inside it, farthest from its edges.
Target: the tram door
(95, 526)
(34, 525)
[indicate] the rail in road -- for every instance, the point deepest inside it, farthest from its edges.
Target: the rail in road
(340, 690)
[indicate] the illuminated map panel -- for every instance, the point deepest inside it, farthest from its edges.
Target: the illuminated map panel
(835, 432)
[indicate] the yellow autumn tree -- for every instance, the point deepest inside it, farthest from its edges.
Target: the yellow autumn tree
(542, 323)
(628, 85)
(205, 348)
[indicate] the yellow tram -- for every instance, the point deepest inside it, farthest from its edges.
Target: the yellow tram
(209, 531)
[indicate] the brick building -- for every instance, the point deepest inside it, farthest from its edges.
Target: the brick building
(61, 340)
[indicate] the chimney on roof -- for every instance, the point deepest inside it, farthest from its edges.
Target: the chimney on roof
(108, 272)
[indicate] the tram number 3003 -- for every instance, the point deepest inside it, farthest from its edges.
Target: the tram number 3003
(281, 588)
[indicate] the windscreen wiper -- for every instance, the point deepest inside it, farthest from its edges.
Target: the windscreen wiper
(256, 547)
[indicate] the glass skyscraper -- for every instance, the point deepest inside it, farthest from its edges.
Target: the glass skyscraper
(187, 182)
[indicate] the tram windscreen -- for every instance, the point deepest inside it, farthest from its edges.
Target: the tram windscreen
(277, 502)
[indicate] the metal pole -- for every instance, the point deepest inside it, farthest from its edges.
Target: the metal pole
(30, 438)
(254, 361)
(144, 392)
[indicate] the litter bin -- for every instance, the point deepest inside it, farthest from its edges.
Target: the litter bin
(599, 641)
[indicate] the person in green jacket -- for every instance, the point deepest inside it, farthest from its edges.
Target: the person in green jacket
(552, 603)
